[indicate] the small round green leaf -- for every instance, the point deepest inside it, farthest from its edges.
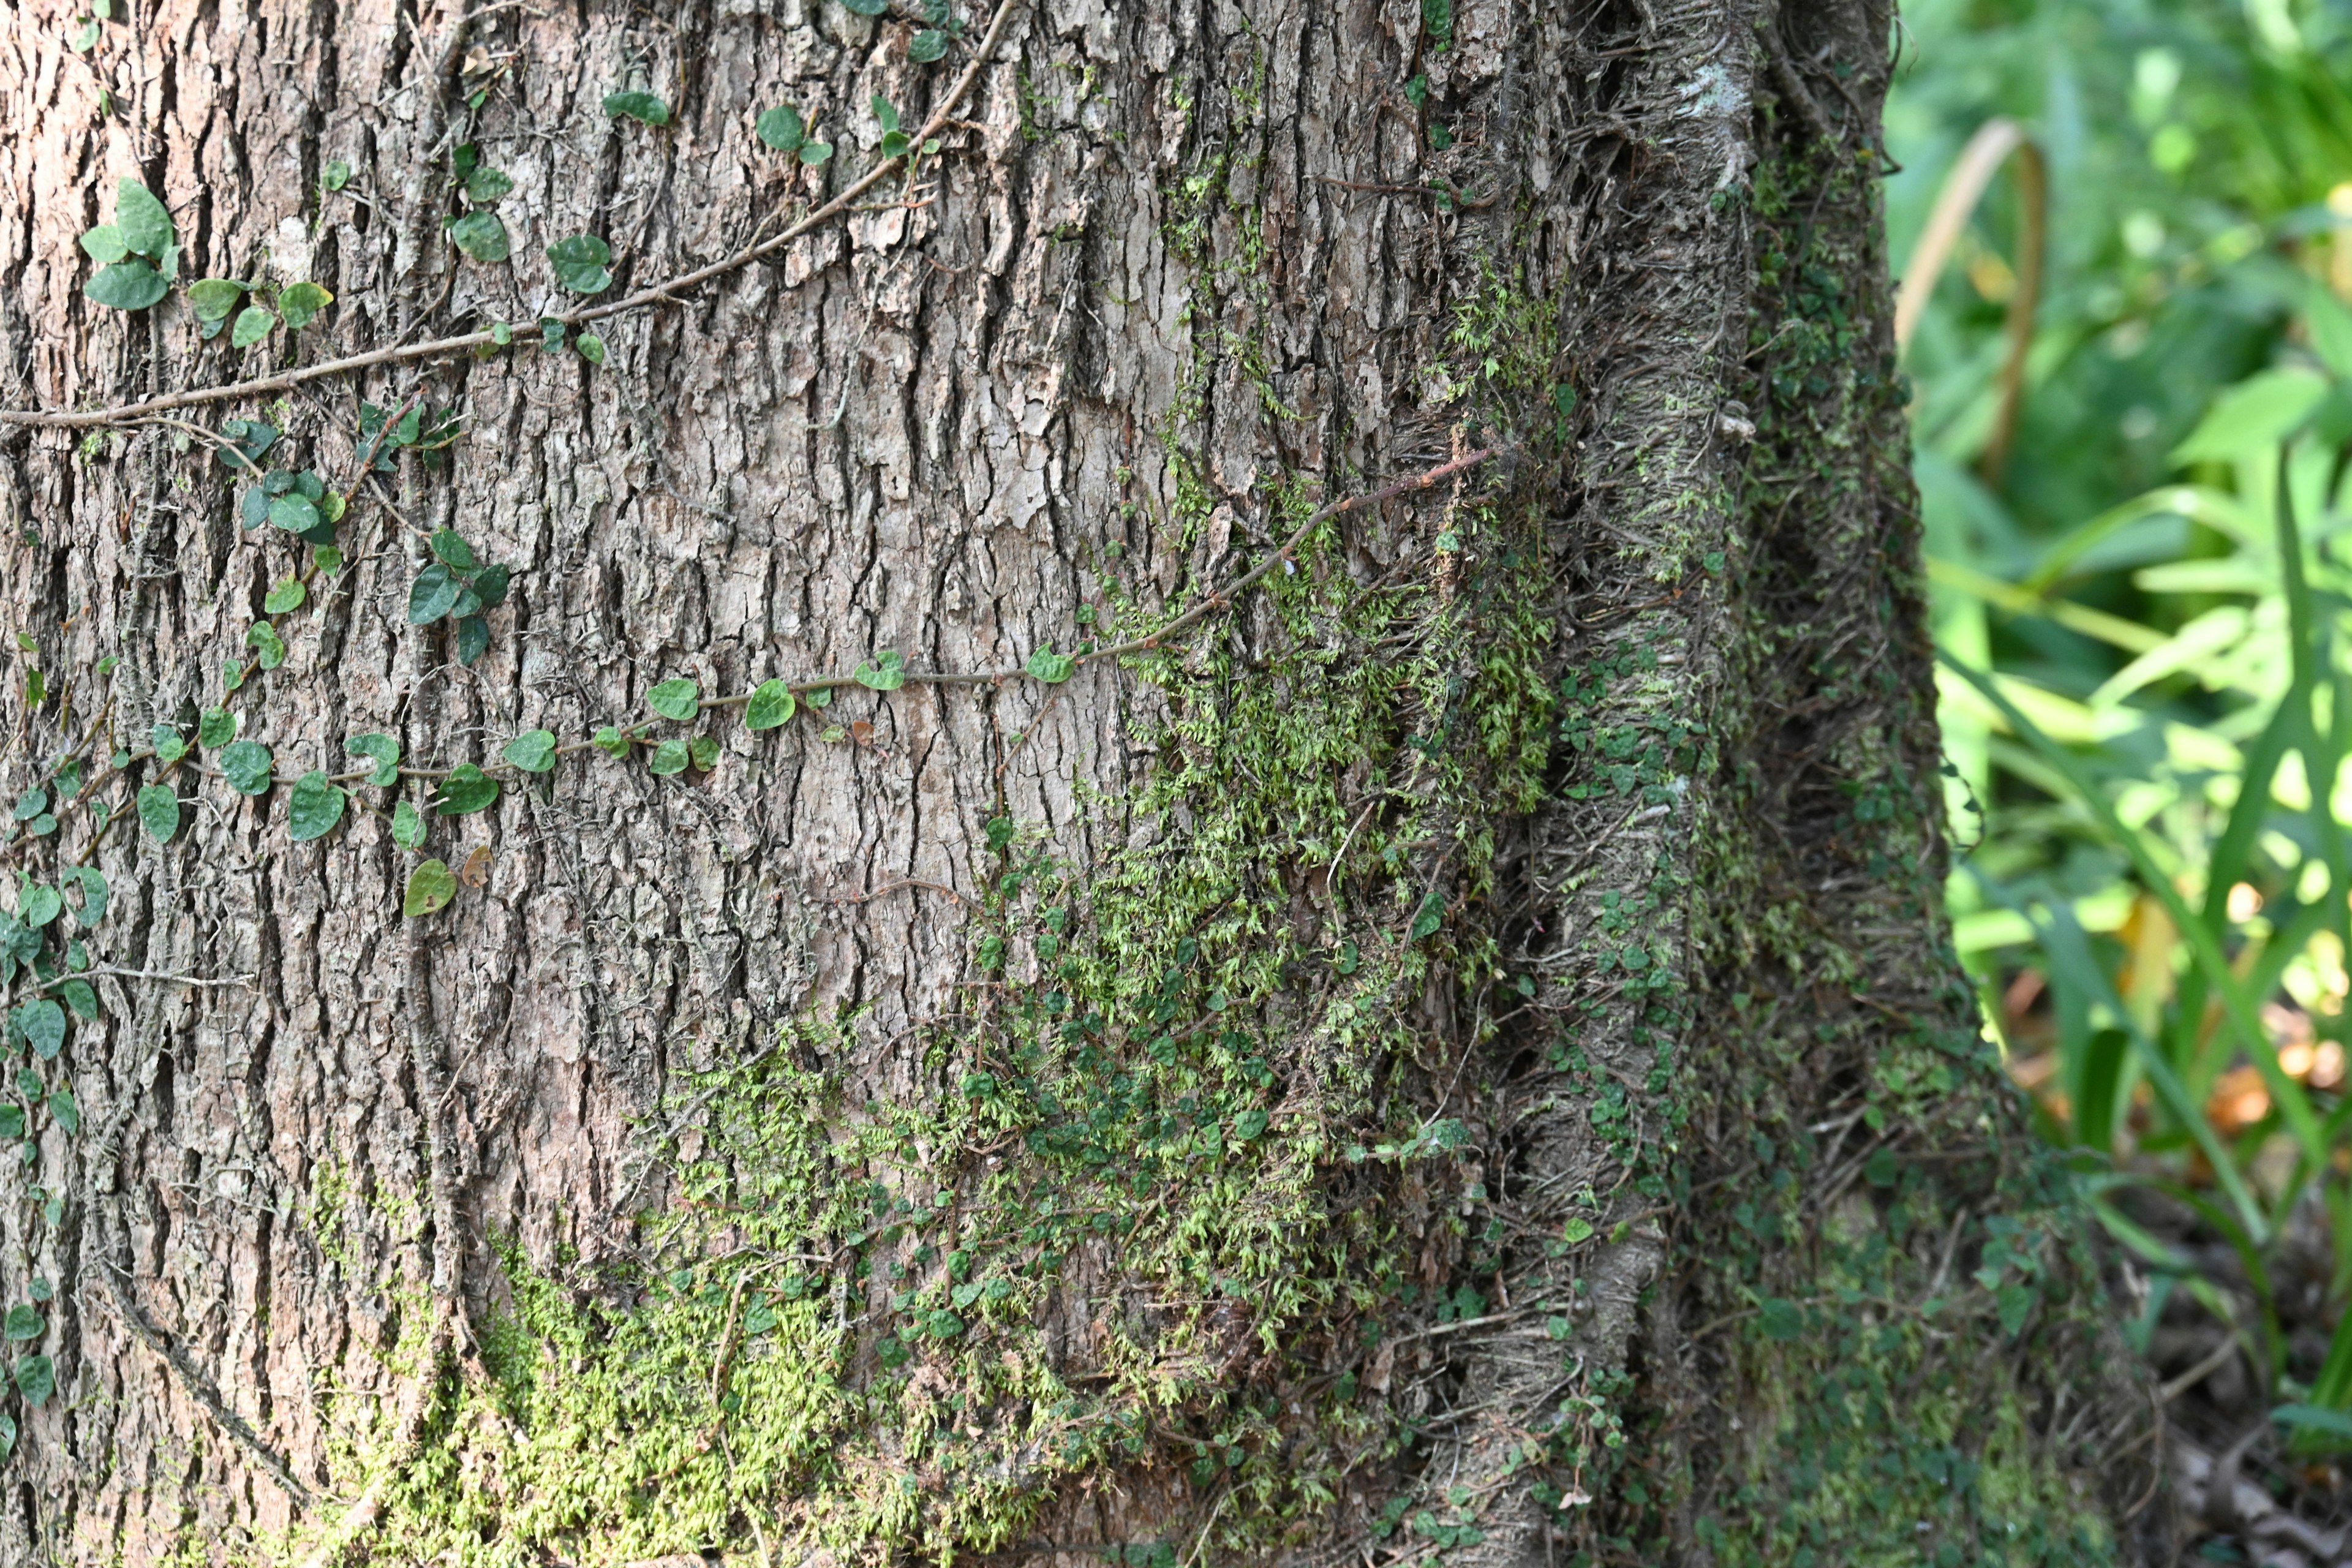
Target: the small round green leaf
(37, 906)
(213, 299)
(80, 996)
(671, 757)
(430, 888)
(580, 263)
(888, 672)
(486, 184)
(590, 347)
(781, 128)
(482, 235)
(611, 740)
(93, 893)
(31, 804)
(533, 751)
(867, 7)
(104, 244)
(815, 152)
(159, 812)
(252, 325)
(37, 1379)
(638, 106)
(65, 1111)
(449, 548)
(336, 175)
(465, 791)
(24, 1323)
(144, 223)
(246, 767)
(434, 594)
(407, 825)
(215, 726)
(381, 750)
(679, 699)
(295, 512)
(42, 1023)
(771, 705)
(126, 285)
(287, 595)
(300, 303)
(928, 45)
(313, 807)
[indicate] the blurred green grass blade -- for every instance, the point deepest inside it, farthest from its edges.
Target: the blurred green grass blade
(2128, 635)
(2285, 1093)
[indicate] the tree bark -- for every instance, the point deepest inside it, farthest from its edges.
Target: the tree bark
(1444, 1044)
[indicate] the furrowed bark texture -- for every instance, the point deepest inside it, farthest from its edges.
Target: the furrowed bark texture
(1449, 1054)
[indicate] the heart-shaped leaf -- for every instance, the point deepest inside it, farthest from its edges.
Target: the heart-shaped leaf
(159, 812)
(581, 262)
(679, 699)
(126, 285)
(246, 767)
(638, 106)
(481, 235)
(313, 807)
(144, 223)
(533, 751)
(430, 888)
(771, 705)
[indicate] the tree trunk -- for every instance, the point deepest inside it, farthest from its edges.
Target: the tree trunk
(1224, 1026)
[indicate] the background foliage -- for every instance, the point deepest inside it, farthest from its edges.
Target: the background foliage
(2147, 693)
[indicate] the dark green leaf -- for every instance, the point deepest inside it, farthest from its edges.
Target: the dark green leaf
(434, 594)
(885, 112)
(867, 7)
(1433, 914)
(31, 804)
(781, 128)
(679, 699)
(252, 325)
(104, 244)
(144, 223)
(381, 749)
(486, 184)
(590, 347)
(312, 807)
(465, 791)
(482, 235)
(245, 764)
(37, 905)
(216, 728)
(671, 757)
(704, 750)
(430, 886)
(93, 893)
(286, 596)
(42, 1023)
(451, 550)
(929, 46)
(159, 812)
(533, 751)
(300, 303)
(12, 1122)
(1249, 1125)
(80, 996)
(37, 1379)
(580, 262)
(407, 825)
(611, 741)
(126, 285)
(473, 638)
(65, 1111)
(213, 299)
(638, 106)
(24, 1323)
(490, 585)
(270, 648)
(295, 512)
(771, 705)
(1783, 1320)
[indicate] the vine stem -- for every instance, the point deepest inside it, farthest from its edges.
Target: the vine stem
(442, 348)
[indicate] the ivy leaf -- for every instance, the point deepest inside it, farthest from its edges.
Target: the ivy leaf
(217, 728)
(37, 1379)
(465, 791)
(670, 757)
(42, 1023)
(482, 235)
(93, 893)
(473, 639)
(885, 112)
(214, 298)
(1431, 916)
(450, 549)
(381, 750)
(271, 648)
(144, 223)
(159, 812)
(815, 152)
(490, 585)
(245, 764)
(65, 1111)
(407, 825)
(126, 285)
(1249, 1125)
(336, 175)
(771, 705)
(486, 184)
(611, 742)
(1051, 668)
(300, 303)
(590, 347)
(704, 750)
(313, 807)
(781, 127)
(580, 263)
(1783, 1320)
(31, 804)
(434, 594)
(81, 997)
(533, 752)
(929, 46)
(295, 512)
(287, 595)
(679, 699)
(430, 888)
(252, 325)
(887, 673)
(642, 106)
(37, 906)
(104, 244)
(867, 7)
